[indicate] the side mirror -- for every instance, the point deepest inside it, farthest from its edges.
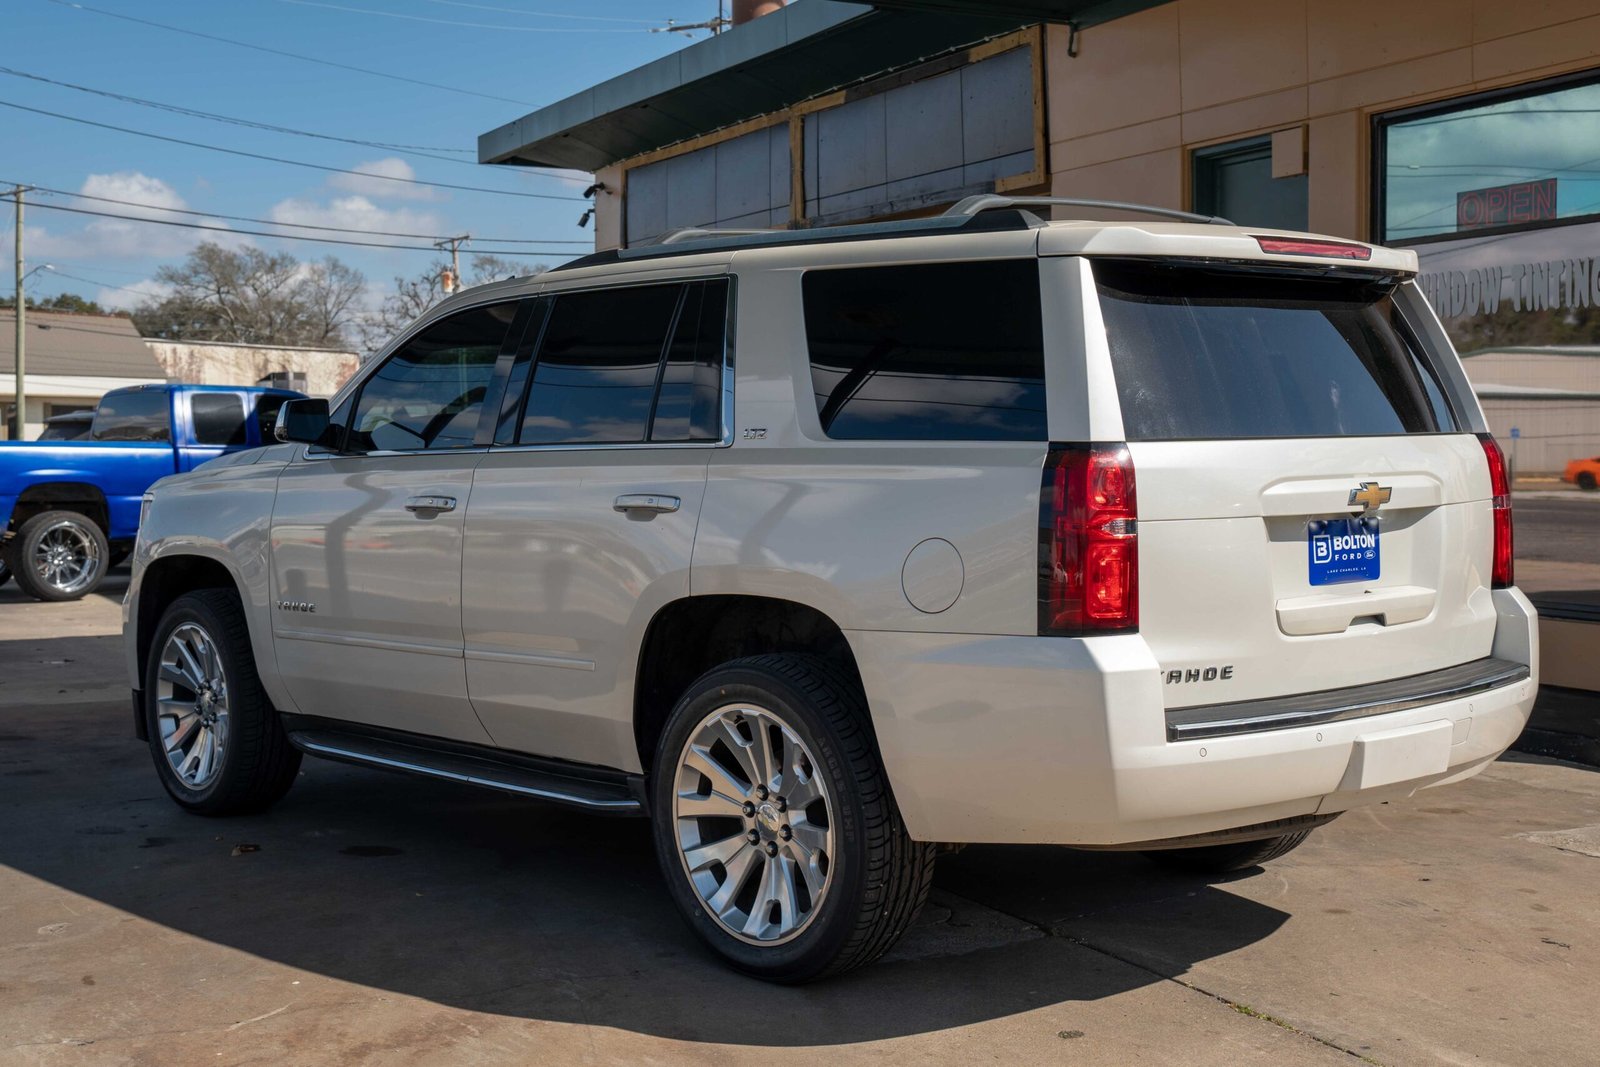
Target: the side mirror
(303, 420)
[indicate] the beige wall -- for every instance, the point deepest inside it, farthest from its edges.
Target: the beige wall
(197, 363)
(1146, 89)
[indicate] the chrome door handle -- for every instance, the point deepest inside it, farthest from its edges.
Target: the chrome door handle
(431, 503)
(650, 502)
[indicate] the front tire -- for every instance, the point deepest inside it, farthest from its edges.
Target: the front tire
(1225, 859)
(59, 555)
(1586, 480)
(218, 744)
(774, 824)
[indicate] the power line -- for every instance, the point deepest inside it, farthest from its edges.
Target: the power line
(294, 225)
(280, 159)
(286, 236)
(455, 22)
(541, 14)
(419, 150)
(290, 55)
(104, 285)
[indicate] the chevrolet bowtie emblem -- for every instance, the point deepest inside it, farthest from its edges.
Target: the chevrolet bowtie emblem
(1370, 496)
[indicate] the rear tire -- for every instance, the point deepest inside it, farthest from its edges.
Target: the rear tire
(1586, 480)
(1224, 859)
(59, 555)
(218, 743)
(844, 879)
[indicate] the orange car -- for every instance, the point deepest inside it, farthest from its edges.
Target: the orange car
(1584, 473)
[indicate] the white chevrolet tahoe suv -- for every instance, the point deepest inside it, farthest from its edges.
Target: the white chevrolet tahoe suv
(824, 549)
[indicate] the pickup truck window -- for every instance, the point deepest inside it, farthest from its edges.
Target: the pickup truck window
(134, 415)
(218, 418)
(429, 394)
(594, 378)
(267, 416)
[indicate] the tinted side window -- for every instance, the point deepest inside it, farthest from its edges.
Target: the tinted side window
(430, 393)
(942, 352)
(689, 402)
(218, 418)
(1218, 355)
(267, 416)
(134, 415)
(595, 373)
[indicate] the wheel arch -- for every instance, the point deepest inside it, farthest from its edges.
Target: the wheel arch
(691, 635)
(162, 581)
(81, 497)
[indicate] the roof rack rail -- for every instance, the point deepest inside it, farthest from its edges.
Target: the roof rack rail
(696, 233)
(976, 205)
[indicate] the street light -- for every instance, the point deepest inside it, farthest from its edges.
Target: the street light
(20, 310)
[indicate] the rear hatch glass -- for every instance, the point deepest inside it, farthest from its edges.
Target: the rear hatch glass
(1312, 514)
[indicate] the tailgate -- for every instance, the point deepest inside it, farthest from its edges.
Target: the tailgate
(1314, 511)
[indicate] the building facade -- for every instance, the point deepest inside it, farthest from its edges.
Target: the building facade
(317, 371)
(1432, 124)
(71, 360)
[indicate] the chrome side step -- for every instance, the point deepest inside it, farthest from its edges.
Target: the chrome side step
(595, 789)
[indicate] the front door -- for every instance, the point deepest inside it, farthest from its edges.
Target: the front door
(366, 543)
(582, 524)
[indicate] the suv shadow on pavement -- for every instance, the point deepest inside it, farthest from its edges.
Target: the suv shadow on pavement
(502, 906)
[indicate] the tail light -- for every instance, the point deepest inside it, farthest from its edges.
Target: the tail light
(1295, 246)
(1500, 485)
(1088, 542)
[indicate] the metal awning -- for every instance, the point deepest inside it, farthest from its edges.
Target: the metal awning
(807, 48)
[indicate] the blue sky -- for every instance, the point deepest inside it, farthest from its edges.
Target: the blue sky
(529, 51)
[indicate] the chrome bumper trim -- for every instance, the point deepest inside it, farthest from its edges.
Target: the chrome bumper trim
(1337, 705)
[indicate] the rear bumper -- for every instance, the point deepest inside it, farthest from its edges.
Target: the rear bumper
(1045, 740)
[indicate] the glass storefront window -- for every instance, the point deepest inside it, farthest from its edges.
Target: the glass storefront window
(1529, 158)
(1500, 198)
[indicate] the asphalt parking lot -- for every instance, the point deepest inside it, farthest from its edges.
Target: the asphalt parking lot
(375, 919)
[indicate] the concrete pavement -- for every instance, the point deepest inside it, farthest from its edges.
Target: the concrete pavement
(387, 920)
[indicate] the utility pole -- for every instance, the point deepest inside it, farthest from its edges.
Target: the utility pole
(454, 244)
(20, 426)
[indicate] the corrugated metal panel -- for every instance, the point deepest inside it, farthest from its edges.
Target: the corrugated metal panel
(739, 184)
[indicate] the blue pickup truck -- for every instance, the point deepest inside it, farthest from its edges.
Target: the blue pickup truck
(69, 510)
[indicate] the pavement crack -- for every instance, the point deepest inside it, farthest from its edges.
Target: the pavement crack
(1242, 1009)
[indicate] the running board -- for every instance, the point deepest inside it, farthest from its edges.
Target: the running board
(598, 789)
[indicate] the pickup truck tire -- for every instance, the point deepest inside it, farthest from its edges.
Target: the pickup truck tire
(806, 891)
(1223, 859)
(218, 743)
(5, 568)
(59, 555)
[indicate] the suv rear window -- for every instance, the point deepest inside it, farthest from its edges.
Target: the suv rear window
(1204, 354)
(934, 352)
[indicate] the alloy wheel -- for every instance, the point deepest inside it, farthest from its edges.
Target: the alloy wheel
(753, 820)
(66, 558)
(192, 705)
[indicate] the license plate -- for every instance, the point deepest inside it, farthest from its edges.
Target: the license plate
(1342, 550)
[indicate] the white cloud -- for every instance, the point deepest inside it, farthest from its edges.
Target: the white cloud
(355, 213)
(389, 167)
(102, 238)
(129, 296)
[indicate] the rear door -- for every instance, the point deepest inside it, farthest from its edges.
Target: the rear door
(215, 424)
(583, 516)
(1314, 510)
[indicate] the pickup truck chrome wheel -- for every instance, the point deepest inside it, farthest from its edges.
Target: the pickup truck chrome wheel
(66, 558)
(59, 555)
(192, 705)
(754, 824)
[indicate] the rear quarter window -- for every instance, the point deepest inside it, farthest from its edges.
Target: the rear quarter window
(928, 352)
(1202, 354)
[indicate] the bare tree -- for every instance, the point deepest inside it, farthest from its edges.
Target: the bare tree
(416, 294)
(253, 297)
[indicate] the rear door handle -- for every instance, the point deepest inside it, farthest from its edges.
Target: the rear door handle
(647, 502)
(431, 504)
